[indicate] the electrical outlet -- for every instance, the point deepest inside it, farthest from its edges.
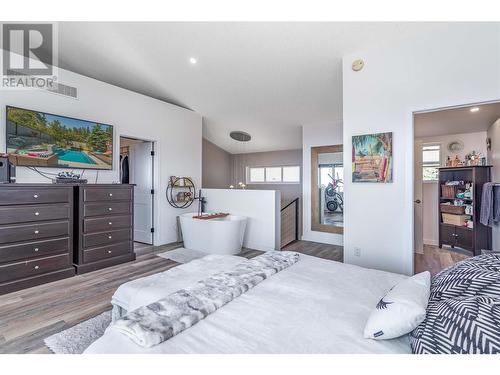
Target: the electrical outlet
(357, 251)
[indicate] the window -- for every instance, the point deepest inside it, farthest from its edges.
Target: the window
(257, 175)
(273, 175)
(291, 174)
(431, 161)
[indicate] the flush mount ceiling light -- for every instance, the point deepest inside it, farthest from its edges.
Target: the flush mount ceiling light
(474, 109)
(240, 136)
(193, 60)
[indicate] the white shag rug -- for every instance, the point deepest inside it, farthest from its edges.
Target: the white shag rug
(76, 339)
(182, 255)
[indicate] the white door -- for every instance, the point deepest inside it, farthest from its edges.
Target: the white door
(418, 235)
(141, 164)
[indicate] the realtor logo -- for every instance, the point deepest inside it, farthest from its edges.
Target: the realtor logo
(29, 52)
(27, 49)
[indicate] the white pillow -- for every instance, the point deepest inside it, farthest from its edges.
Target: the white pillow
(401, 310)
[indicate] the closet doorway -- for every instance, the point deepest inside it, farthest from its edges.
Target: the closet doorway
(137, 168)
(456, 153)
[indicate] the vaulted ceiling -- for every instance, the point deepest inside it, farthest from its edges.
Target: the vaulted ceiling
(267, 79)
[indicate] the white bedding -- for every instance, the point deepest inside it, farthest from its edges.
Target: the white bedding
(314, 306)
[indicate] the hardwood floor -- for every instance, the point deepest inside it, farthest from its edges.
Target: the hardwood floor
(435, 259)
(27, 317)
(320, 250)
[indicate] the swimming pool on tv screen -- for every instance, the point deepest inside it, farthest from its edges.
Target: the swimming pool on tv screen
(75, 156)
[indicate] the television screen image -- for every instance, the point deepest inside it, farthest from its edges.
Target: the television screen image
(39, 139)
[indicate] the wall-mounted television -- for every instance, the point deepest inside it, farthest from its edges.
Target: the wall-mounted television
(39, 139)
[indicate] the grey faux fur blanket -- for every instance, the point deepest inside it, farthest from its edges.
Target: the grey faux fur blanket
(150, 325)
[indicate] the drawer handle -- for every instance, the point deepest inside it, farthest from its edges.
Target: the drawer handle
(110, 209)
(37, 231)
(110, 194)
(35, 196)
(109, 237)
(110, 223)
(109, 251)
(37, 213)
(36, 249)
(37, 267)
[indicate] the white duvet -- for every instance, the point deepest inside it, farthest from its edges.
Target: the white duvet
(314, 306)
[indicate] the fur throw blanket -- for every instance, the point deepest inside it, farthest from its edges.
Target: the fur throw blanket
(150, 325)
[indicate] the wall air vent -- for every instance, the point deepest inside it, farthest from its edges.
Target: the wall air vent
(62, 89)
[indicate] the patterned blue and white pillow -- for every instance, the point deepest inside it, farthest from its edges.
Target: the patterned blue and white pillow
(479, 275)
(458, 326)
(463, 315)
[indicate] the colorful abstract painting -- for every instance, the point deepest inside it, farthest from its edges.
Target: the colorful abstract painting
(372, 158)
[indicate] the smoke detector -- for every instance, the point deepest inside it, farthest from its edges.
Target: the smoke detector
(357, 65)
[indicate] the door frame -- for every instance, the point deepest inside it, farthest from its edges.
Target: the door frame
(411, 183)
(154, 188)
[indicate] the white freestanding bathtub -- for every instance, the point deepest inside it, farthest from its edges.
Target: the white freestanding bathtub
(214, 236)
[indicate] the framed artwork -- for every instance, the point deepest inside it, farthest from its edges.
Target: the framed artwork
(372, 157)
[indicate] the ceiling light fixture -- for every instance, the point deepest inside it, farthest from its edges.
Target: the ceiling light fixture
(474, 109)
(193, 60)
(240, 136)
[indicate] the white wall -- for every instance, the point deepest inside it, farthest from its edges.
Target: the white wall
(262, 209)
(472, 142)
(324, 134)
(458, 64)
(176, 131)
(494, 160)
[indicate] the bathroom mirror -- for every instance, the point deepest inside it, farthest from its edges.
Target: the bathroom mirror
(327, 189)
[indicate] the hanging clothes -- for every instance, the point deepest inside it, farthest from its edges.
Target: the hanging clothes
(490, 204)
(120, 168)
(125, 170)
(496, 203)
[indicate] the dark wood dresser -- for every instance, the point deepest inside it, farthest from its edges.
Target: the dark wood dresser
(104, 223)
(36, 235)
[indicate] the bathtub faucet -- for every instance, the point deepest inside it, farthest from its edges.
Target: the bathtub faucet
(201, 204)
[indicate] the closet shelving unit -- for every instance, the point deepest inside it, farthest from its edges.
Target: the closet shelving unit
(479, 236)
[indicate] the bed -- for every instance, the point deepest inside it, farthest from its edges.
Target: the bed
(314, 306)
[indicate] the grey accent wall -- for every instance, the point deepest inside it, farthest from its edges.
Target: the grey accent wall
(221, 169)
(268, 159)
(216, 166)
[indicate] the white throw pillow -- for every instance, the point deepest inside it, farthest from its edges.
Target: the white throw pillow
(401, 310)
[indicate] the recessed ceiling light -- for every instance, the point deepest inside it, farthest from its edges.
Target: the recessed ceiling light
(474, 109)
(193, 60)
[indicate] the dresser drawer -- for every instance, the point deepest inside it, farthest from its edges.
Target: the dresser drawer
(19, 270)
(16, 233)
(111, 208)
(20, 195)
(106, 238)
(22, 214)
(33, 249)
(106, 223)
(105, 252)
(105, 194)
